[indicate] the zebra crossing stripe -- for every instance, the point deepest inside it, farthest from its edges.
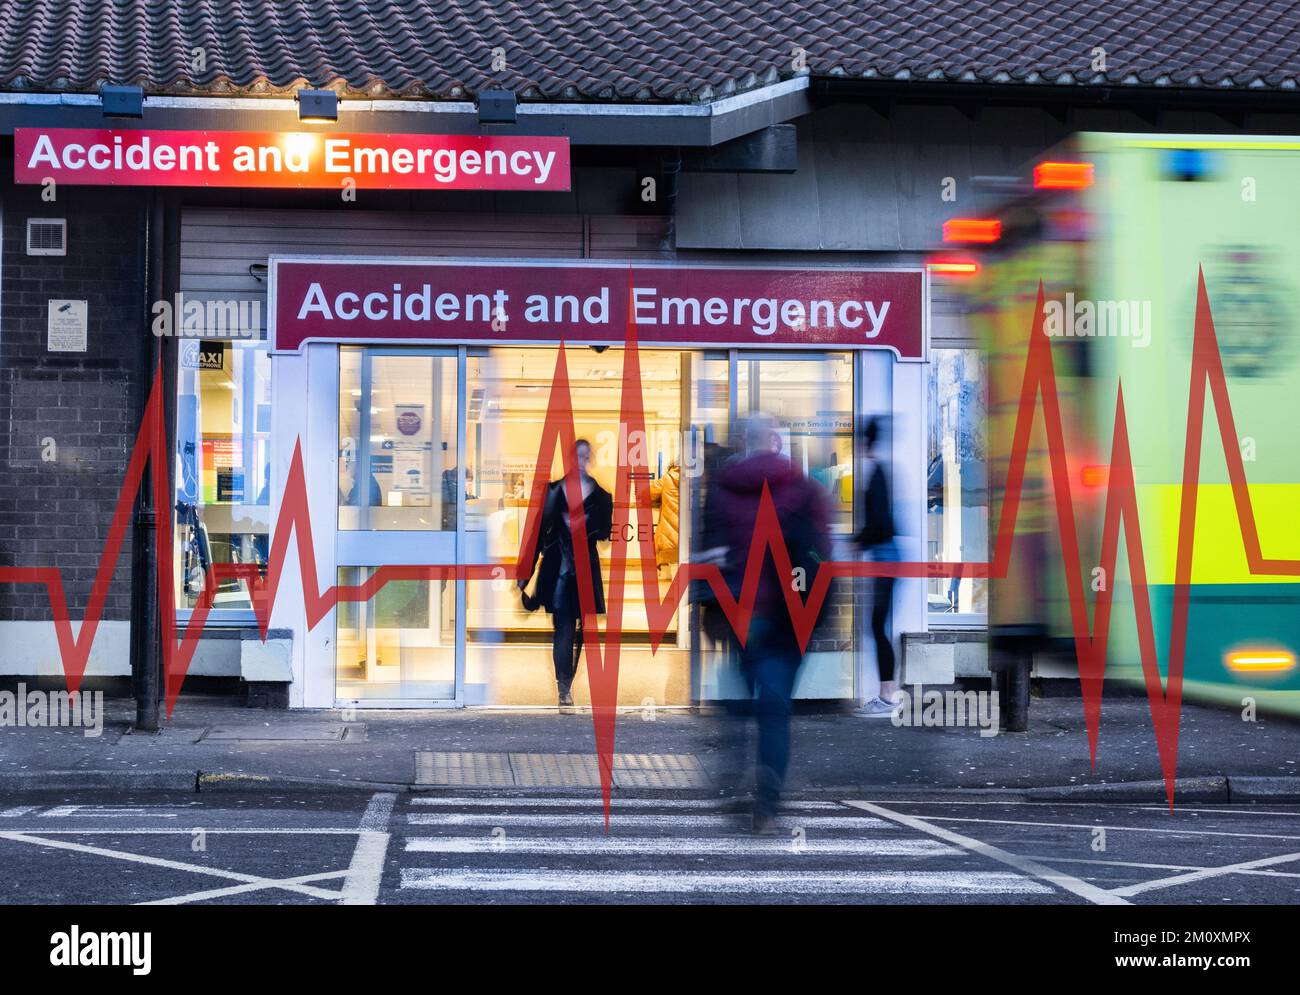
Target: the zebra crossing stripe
(738, 883)
(544, 820)
(582, 846)
(596, 804)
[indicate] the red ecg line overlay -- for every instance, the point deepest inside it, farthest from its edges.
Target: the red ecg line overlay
(603, 649)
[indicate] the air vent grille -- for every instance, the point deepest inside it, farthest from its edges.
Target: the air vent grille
(47, 236)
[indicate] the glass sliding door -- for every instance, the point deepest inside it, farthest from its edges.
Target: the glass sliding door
(399, 494)
(811, 396)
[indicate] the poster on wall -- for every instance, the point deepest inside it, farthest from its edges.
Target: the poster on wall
(411, 456)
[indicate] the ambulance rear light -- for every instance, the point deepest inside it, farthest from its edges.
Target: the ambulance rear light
(982, 230)
(1063, 176)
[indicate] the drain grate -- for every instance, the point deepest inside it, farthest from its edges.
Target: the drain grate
(558, 770)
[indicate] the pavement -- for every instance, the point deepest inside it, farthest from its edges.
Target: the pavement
(391, 847)
(213, 743)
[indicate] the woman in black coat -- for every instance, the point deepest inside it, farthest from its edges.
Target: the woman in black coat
(557, 581)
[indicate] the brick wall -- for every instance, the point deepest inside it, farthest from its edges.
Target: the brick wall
(58, 512)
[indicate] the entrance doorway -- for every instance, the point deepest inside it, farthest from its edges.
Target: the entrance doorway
(397, 505)
(437, 455)
(508, 650)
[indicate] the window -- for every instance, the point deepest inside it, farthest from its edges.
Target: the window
(223, 436)
(957, 505)
(397, 441)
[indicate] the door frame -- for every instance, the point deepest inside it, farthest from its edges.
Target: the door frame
(315, 422)
(336, 548)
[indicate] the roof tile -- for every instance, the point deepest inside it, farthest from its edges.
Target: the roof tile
(671, 50)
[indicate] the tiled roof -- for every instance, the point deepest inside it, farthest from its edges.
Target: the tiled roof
(625, 50)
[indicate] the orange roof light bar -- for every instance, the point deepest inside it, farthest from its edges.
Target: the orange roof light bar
(1063, 176)
(972, 230)
(1260, 660)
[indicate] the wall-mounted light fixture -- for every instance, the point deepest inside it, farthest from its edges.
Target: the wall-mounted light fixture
(497, 107)
(317, 105)
(121, 101)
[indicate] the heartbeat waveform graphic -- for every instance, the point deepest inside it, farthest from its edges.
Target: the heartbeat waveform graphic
(293, 521)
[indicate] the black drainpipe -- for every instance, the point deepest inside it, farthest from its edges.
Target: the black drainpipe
(146, 637)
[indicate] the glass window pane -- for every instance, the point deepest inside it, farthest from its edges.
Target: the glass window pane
(397, 442)
(401, 644)
(957, 505)
(812, 398)
(223, 435)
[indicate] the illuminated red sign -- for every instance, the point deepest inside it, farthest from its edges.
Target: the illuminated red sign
(501, 302)
(318, 160)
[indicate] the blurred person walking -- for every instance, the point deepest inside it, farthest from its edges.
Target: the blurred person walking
(771, 655)
(557, 580)
(877, 537)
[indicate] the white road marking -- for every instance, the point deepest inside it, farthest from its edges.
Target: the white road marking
(1208, 872)
(670, 821)
(240, 889)
(324, 831)
(176, 865)
(361, 886)
(377, 813)
(105, 812)
(596, 803)
(740, 882)
(1161, 867)
(656, 845)
(366, 872)
(1068, 882)
(1102, 825)
(1241, 810)
(17, 810)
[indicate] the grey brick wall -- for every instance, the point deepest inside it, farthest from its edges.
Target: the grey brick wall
(58, 513)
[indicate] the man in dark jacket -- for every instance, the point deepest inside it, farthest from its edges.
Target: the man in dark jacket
(771, 655)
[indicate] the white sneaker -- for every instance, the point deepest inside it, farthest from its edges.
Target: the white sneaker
(877, 708)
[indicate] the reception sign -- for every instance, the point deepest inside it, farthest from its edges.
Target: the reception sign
(533, 302)
(321, 160)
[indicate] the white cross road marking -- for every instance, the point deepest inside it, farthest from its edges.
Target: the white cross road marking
(242, 889)
(175, 865)
(660, 846)
(1162, 867)
(1067, 882)
(740, 882)
(543, 820)
(1208, 872)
